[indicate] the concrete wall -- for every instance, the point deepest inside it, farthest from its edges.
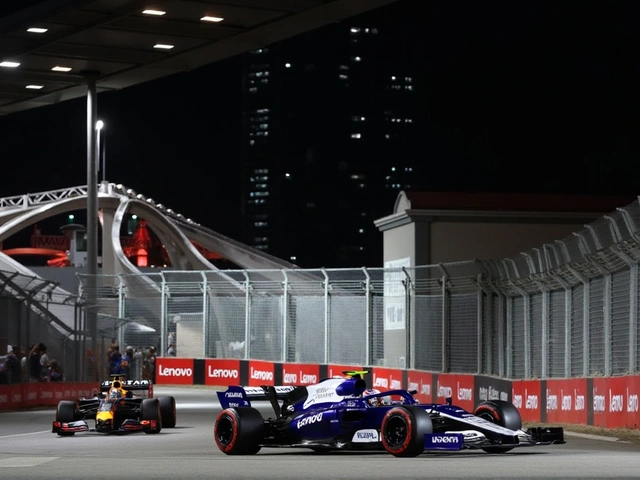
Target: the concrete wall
(459, 241)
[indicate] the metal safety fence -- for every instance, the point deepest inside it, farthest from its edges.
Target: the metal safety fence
(565, 309)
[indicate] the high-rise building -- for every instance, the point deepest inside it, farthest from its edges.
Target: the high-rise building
(329, 125)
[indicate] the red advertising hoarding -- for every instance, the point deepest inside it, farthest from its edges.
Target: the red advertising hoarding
(300, 374)
(45, 394)
(421, 382)
(567, 400)
(334, 370)
(386, 379)
(260, 373)
(221, 372)
(615, 402)
(174, 371)
(458, 387)
(526, 396)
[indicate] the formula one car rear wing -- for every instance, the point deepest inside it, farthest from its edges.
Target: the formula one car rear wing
(129, 385)
(238, 396)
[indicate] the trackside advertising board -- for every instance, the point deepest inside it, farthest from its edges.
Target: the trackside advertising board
(492, 388)
(26, 395)
(422, 382)
(174, 371)
(335, 370)
(566, 400)
(527, 397)
(615, 402)
(260, 373)
(386, 379)
(222, 372)
(300, 374)
(457, 387)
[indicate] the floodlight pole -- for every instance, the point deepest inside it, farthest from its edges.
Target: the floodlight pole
(92, 209)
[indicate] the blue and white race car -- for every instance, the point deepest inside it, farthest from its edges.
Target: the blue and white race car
(341, 414)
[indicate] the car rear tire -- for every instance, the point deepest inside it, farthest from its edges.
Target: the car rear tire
(150, 410)
(239, 431)
(168, 411)
(403, 430)
(66, 413)
(501, 413)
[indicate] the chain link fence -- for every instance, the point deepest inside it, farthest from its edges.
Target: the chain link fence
(566, 309)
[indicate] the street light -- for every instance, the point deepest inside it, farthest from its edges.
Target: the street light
(101, 153)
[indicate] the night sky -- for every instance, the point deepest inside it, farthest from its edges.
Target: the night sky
(529, 96)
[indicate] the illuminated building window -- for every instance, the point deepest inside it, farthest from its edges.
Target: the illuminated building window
(356, 135)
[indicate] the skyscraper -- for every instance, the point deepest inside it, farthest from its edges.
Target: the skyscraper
(329, 126)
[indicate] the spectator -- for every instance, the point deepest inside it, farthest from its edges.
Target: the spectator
(55, 372)
(115, 360)
(149, 367)
(171, 351)
(4, 369)
(24, 365)
(35, 368)
(125, 362)
(136, 364)
(12, 365)
(44, 361)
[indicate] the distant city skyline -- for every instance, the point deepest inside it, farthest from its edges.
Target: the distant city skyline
(530, 96)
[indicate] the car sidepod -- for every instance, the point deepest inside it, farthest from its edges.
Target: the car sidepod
(404, 429)
(239, 431)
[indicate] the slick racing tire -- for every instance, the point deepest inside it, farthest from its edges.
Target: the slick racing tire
(150, 410)
(239, 431)
(403, 430)
(501, 413)
(168, 411)
(66, 413)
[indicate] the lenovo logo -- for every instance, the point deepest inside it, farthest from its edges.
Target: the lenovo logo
(174, 372)
(261, 374)
(222, 372)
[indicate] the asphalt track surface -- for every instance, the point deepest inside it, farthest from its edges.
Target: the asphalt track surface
(28, 450)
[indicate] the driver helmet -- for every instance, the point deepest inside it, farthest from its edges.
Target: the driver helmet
(115, 393)
(372, 401)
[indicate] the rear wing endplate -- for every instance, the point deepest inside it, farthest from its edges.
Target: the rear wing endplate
(238, 396)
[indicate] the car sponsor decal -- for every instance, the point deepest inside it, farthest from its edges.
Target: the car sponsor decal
(443, 441)
(369, 435)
